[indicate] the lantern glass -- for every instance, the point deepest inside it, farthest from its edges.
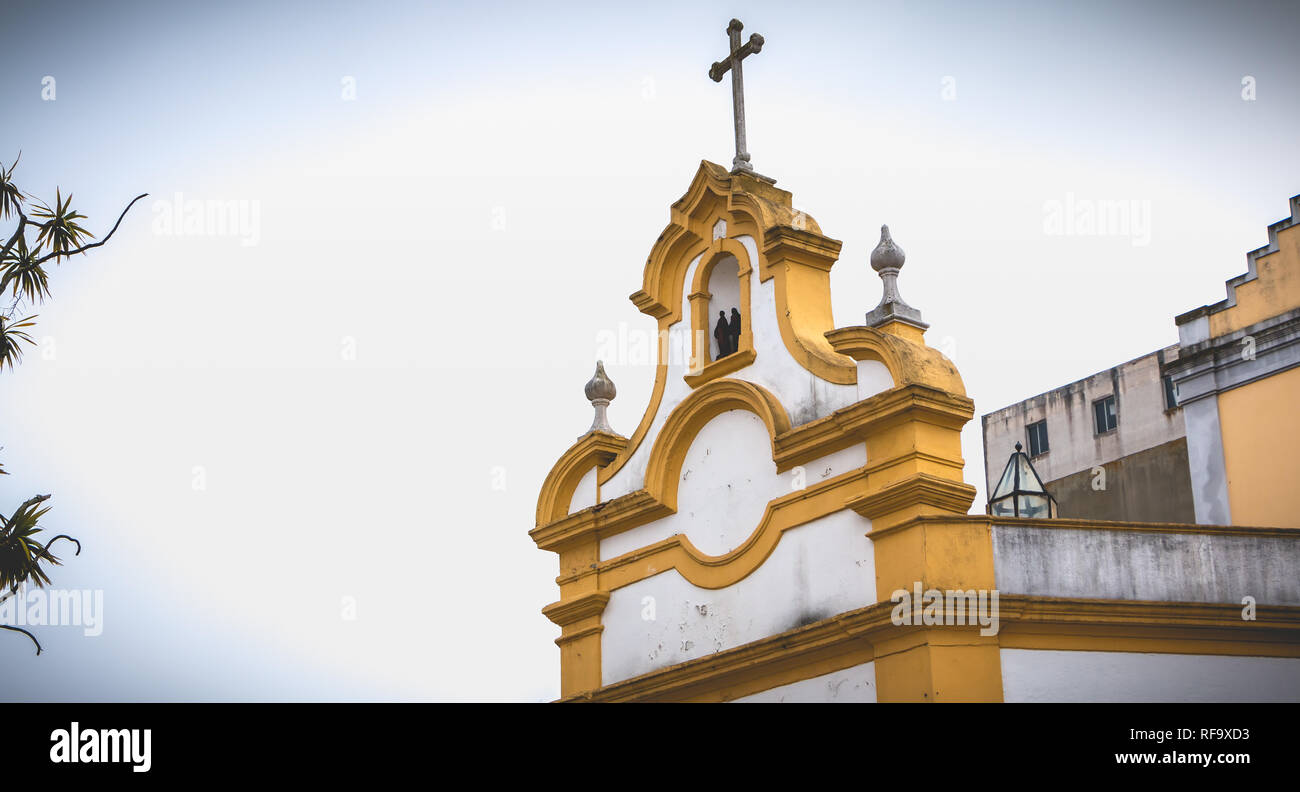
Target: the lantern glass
(1020, 492)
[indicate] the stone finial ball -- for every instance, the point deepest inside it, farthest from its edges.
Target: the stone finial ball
(600, 386)
(887, 255)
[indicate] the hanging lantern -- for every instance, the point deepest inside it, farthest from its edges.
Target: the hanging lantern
(1020, 492)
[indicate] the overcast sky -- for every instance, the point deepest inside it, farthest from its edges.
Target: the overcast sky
(344, 406)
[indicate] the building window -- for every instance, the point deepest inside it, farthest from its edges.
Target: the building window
(1038, 438)
(1103, 412)
(1171, 396)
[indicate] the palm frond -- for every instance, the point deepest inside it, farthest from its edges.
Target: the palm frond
(21, 272)
(60, 229)
(11, 198)
(12, 336)
(20, 552)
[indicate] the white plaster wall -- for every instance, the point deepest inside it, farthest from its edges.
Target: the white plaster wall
(631, 477)
(817, 570)
(727, 480)
(856, 685)
(585, 495)
(1137, 565)
(873, 378)
(805, 396)
(1195, 331)
(1033, 675)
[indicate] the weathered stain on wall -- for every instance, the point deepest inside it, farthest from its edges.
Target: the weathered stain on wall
(1150, 486)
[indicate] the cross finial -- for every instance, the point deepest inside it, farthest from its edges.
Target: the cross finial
(732, 64)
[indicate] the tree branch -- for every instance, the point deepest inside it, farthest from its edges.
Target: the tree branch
(35, 499)
(24, 632)
(46, 550)
(22, 221)
(84, 248)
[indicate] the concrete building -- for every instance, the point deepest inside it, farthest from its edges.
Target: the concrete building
(1238, 381)
(1111, 446)
(1202, 431)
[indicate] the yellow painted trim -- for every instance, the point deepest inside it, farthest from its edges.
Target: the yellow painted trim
(912, 481)
(714, 192)
(941, 552)
(810, 665)
(909, 362)
(593, 449)
(867, 634)
(568, 612)
(801, 261)
(715, 572)
(720, 249)
(903, 330)
(883, 414)
(751, 207)
(647, 419)
(802, 653)
(701, 406)
(701, 317)
(945, 495)
(720, 368)
(908, 431)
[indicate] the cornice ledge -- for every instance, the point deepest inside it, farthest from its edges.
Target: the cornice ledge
(907, 402)
(1225, 349)
(1028, 609)
(853, 424)
(782, 242)
(944, 494)
(909, 362)
(1077, 524)
(821, 636)
(649, 305)
(720, 368)
(604, 519)
(581, 607)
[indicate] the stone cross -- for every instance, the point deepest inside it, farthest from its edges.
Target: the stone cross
(732, 63)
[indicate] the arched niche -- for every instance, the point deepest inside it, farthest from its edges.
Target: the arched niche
(721, 283)
(724, 299)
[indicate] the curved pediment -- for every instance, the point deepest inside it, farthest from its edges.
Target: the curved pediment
(749, 205)
(908, 362)
(593, 450)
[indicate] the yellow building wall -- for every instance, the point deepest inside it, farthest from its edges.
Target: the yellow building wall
(1261, 437)
(1275, 290)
